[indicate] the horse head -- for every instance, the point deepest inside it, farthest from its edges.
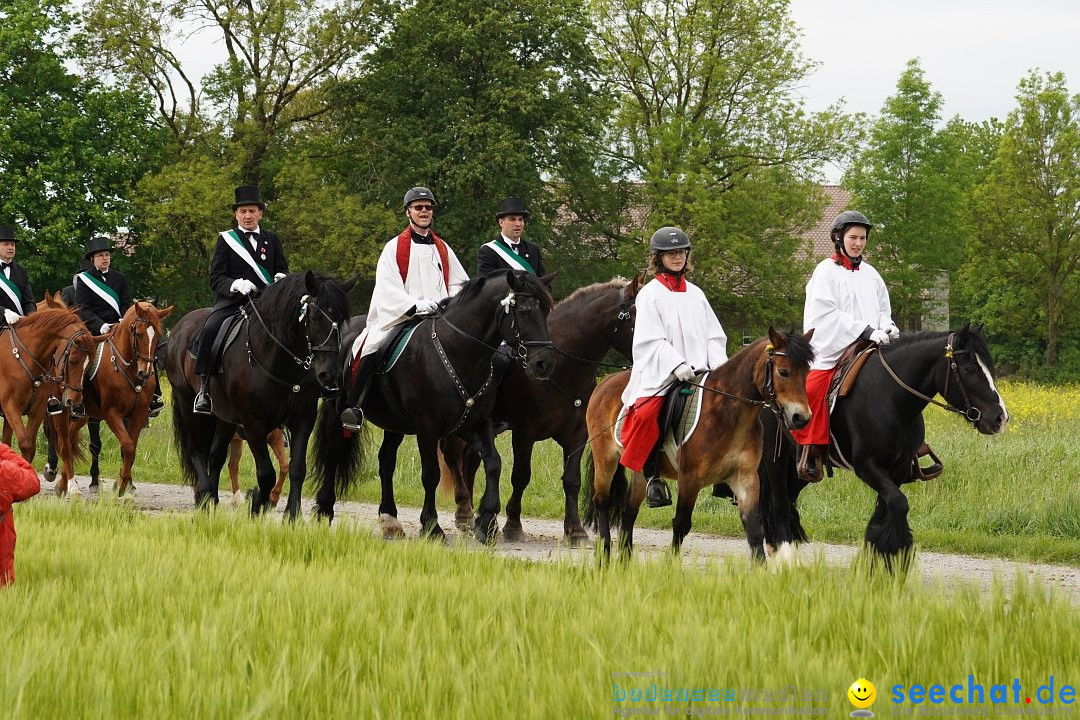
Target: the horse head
(784, 376)
(324, 310)
(70, 361)
(522, 321)
(966, 380)
(622, 335)
(142, 323)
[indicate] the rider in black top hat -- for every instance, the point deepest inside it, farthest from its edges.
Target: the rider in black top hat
(246, 260)
(16, 297)
(510, 250)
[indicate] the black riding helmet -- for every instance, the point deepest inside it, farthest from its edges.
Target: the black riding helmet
(669, 238)
(840, 226)
(419, 193)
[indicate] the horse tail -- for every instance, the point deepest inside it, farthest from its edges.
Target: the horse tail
(337, 452)
(187, 468)
(617, 496)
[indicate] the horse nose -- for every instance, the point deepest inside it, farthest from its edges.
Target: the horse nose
(541, 365)
(143, 376)
(799, 420)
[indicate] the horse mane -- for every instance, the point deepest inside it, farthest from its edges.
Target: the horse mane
(799, 350)
(49, 319)
(595, 288)
(474, 287)
(973, 340)
(279, 304)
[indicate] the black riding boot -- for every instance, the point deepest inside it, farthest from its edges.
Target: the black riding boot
(203, 404)
(352, 417)
(156, 403)
(657, 493)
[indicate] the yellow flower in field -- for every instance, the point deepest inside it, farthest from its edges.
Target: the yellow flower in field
(1047, 403)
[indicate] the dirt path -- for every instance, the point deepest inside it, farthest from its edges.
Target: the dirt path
(545, 542)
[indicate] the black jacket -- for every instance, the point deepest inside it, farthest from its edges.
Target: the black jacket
(94, 310)
(487, 260)
(226, 266)
(21, 280)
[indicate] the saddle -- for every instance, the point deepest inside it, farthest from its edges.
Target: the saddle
(678, 418)
(226, 334)
(847, 370)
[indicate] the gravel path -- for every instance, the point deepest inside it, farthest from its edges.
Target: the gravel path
(545, 543)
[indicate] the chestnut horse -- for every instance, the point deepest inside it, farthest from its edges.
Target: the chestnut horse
(726, 446)
(41, 355)
(119, 392)
(583, 328)
(276, 442)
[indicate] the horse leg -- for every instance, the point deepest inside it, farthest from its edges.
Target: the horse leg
(487, 521)
(572, 530)
(388, 519)
(747, 488)
(301, 434)
(236, 447)
(222, 432)
(127, 449)
(95, 452)
(457, 461)
(684, 509)
(888, 532)
(27, 444)
(264, 474)
(630, 513)
(52, 461)
(276, 440)
(429, 474)
(520, 475)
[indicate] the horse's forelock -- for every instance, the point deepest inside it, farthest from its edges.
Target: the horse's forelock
(542, 291)
(799, 350)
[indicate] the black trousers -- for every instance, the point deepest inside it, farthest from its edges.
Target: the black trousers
(204, 363)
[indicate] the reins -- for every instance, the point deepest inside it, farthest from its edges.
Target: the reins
(325, 346)
(972, 414)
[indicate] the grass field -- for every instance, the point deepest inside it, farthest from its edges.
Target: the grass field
(1014, 495)
(120, 614)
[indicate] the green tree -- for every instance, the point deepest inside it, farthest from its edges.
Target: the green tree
(1027, 217)
(478, 100)
(710, 121)
(71, 149)
(910, 181)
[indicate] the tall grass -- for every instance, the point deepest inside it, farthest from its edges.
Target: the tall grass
(119, 614)
(1013, 495)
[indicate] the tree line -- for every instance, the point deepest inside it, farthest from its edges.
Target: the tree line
(610, 117)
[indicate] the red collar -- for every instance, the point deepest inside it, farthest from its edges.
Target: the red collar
(674, 283)
(842, 259)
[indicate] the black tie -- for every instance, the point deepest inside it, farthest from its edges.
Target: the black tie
(514, 247)
(4, 265)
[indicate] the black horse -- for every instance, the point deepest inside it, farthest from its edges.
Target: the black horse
(443, 383)
(285, 355)
(878, 428)
(583, 327)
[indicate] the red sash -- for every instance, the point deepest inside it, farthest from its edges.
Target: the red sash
(404, 247)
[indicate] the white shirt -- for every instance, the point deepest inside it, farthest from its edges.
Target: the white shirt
(392, 299)
(511, 244)
(839, 306)
(672, 328)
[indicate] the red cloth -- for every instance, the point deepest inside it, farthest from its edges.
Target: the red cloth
(674, 283)
(404, 248)
(18, 481)
(640, 431)
(817, 395)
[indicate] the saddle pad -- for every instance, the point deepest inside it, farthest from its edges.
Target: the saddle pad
(95, 362)
(396, 347)
(847, 371)
(680, 427)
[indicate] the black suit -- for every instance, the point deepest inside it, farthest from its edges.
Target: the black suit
(225, 268)
(21, 280)
(93, 309)
(487, 260)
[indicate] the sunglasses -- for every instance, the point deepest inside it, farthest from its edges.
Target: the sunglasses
(422, 208)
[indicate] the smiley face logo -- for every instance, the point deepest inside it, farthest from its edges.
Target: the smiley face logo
(862, 693)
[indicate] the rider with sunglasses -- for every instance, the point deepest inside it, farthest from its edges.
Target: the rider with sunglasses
(416, 271)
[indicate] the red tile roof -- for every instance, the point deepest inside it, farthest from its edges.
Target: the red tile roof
(820, 242)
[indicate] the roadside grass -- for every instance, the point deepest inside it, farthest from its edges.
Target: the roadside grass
(116, 613)
(1014, 495)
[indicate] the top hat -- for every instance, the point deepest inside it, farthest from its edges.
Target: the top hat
(97, 244)
(512, 206)
(248, 195)
(7, 232)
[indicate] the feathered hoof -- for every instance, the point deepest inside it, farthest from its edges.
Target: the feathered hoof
(784, 557)
(237, 499)
(390, 527)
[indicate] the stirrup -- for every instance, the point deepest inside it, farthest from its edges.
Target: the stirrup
(156, 406)
(54, 407)
(930, 472)
(809, 465)
(352, 418)
(657, 493)
(204, 404)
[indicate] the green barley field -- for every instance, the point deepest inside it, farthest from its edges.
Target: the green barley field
(1014, 495)
(119, 614)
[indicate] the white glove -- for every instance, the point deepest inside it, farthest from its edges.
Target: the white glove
(892, 331)
(425, 306)
(880, 337)
(242, 286)
(684, 372)
(105, 328)
(11, 316)
(279, 276)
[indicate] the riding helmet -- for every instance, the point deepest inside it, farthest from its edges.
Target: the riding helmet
(850, 217)
(419, 193)
(669, 238)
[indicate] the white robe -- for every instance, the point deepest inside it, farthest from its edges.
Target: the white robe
(672, 328)
(840, 304)
(392, 299)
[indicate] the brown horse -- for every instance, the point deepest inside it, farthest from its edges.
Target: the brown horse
(725, 447)
(119, 392)
(42, 355)
(276, 441)
(583, 328)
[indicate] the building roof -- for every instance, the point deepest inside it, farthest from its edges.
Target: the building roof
(818, 235)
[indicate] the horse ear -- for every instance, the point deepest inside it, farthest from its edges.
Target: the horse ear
(965, 330)
(775, 338)
(50, 301)
(347, 286)
(162, 314)
(549, 278)
(808, 334)
(635, 284)
(310, 284)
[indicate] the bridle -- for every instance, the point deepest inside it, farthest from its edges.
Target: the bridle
(59, 358)
(330, 344)
(136, 355)
(972, 414)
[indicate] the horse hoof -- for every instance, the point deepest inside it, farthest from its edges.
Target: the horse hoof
(463, 522)
(391, 528)
(513, 533)
(486, 531)
(49, 474)
(785, 556)
(237, 499)
(577, 537)
(274, 497)
(434, 533)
